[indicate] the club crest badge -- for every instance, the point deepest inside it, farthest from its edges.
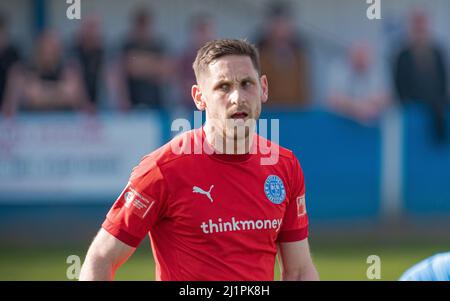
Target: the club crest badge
(274, 189)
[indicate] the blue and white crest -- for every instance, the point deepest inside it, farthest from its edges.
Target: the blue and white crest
(274, 189)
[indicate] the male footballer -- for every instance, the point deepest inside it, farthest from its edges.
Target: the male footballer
(218, 214)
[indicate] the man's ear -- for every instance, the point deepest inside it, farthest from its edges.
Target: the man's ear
(264, 88)
(198, 98)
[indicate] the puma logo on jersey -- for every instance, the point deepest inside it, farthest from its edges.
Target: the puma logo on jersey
(196, 189)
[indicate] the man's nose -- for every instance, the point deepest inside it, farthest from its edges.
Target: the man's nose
(236, 97)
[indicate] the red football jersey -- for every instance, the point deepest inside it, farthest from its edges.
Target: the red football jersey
(212, 216)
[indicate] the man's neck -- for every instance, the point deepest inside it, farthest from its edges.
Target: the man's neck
(228, 144)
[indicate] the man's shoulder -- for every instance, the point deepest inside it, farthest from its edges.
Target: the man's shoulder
(175, 149)
(181, 148)
(266, 146)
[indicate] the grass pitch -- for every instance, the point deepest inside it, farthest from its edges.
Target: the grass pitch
(335, 260)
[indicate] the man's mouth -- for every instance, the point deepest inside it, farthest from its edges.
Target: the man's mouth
(239, 115)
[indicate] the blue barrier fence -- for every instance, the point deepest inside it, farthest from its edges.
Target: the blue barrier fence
(426, 165)
(342, 161)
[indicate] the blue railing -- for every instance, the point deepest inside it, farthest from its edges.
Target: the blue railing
(343, 163)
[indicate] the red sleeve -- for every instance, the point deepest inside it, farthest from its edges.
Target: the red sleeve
(295, 223)
(140, 205)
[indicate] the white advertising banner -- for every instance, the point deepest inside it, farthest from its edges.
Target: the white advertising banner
(71, 157)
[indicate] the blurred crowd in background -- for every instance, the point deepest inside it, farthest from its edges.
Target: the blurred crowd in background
(89, 77)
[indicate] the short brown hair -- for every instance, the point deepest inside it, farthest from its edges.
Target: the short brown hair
(215, 49)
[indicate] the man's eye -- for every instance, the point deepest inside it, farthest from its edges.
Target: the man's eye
(246, 84)
(224, 87)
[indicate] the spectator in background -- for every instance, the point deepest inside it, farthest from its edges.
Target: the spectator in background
(144, 66)
(88, 53)
(48, 84)
(420, 72)
(201, 30)
(284, 60)
(9, 58)
(357, 87)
